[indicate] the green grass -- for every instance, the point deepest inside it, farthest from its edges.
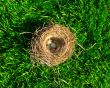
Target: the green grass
(89, 67)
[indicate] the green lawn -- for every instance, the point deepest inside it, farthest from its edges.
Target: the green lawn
(89, 67)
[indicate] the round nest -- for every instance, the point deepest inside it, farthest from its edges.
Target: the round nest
(52, 45)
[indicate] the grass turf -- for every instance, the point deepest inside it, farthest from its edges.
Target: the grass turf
(89, 67)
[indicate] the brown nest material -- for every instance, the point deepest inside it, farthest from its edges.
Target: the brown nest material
(52, 45)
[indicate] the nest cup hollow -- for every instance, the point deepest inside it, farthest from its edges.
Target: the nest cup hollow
(55, 45)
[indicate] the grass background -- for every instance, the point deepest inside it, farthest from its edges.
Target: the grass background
(87, 68)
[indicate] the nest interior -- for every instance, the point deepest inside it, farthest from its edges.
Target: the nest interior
(52, 45)
(55, 45)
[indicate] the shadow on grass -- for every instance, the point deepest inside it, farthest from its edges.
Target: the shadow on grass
(28, 27)
(16, 38)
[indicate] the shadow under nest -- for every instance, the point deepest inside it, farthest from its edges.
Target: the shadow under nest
(51, 55)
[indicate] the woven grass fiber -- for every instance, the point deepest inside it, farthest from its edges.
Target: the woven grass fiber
(52, 45)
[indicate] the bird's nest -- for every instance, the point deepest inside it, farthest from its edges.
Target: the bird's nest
(52, 45)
